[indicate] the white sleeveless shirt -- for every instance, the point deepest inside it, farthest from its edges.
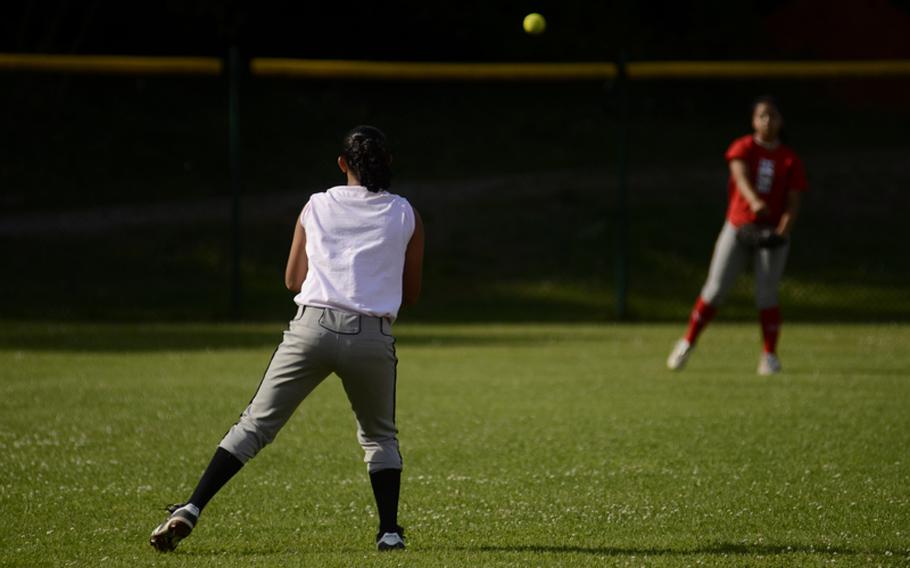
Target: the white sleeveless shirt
(355, 244)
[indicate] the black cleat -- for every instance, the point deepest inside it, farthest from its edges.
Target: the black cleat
(390, 540)
(175, 528)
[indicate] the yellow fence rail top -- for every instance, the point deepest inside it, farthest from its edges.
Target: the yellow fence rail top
(421, 71)
(655, 70)
(639, 70)
(330, 69)
(111, 64)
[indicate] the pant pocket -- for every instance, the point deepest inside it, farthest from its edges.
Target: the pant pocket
(340, 322)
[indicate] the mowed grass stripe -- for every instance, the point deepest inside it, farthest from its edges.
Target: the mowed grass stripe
(524, 445)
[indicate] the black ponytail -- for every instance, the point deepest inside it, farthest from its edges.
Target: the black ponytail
(367, 154)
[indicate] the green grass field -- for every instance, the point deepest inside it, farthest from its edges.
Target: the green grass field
(531, 445)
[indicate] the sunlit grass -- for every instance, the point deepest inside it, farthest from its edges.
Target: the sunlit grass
(524, 445)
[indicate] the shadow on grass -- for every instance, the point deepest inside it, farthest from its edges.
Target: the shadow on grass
(157, 337)
(713, 549)
(116, 337)
(216, 337)
(719, 549)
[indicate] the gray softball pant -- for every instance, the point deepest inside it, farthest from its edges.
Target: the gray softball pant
(730, 258)
(360, 350)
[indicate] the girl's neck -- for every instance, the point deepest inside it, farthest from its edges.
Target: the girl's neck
(767, 144)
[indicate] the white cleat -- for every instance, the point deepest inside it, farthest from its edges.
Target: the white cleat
(769, 364)
(679, 355)
(390, 540)
(176, 527)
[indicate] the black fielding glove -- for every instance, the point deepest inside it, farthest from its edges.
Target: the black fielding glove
(756, 236)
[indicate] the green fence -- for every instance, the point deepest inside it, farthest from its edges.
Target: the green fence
(118, 203)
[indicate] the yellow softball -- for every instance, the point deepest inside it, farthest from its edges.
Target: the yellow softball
(534, 23)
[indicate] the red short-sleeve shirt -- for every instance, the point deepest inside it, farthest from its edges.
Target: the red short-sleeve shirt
(774, 174)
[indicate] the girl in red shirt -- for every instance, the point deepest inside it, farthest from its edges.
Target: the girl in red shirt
(767, 179)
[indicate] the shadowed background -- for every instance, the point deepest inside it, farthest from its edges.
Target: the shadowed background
(116, 198)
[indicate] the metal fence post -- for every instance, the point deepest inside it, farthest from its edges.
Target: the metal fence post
(621, 252)
(234, 70)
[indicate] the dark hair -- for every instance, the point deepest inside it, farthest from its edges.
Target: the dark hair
(367, 154)
(770, 100)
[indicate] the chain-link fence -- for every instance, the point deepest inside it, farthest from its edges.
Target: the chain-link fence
(116, 200)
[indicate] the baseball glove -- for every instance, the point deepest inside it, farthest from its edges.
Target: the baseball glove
(756, 236)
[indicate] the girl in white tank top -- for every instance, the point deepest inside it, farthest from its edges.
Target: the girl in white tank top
(356, 258)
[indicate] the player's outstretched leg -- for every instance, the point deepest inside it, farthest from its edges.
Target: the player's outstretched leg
(702, 313)
(727, 261)
(288, 380)
(183, 517)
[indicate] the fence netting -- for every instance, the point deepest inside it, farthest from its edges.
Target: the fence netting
(116, 195)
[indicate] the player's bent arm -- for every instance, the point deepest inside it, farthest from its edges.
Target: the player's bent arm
(412, 278)
(740, 172)
(298, 264)
(788, 219)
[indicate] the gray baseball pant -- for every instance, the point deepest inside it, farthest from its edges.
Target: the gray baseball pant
(730, 258)
(360, 350)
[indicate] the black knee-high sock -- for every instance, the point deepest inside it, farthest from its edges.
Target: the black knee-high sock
(386, 487)
(219, 471)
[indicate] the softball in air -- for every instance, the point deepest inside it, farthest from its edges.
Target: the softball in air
(534, 24)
